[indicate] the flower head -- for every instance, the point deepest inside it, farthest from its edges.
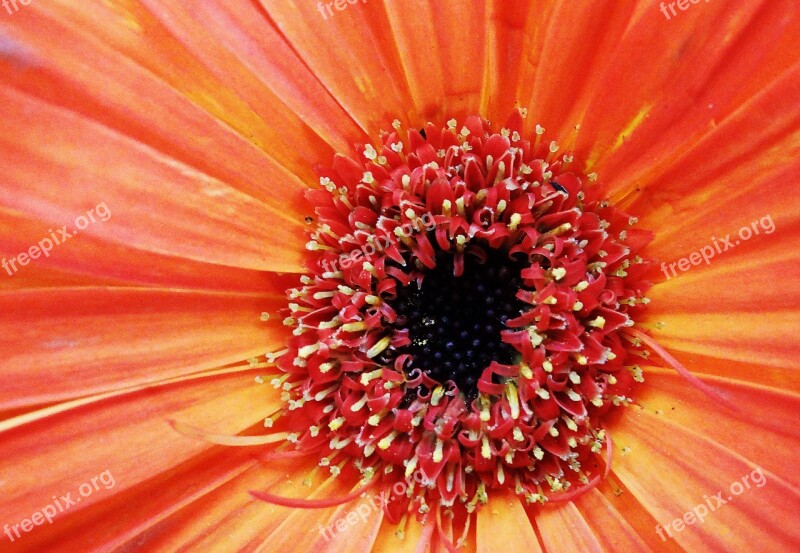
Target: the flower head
(466, 317)
(225, 327)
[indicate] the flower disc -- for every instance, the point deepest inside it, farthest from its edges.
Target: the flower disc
(464, 320)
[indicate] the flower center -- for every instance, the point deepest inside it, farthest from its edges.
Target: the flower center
(454, 323)
(467, 319)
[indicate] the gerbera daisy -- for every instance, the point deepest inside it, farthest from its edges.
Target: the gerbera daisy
(399, 276)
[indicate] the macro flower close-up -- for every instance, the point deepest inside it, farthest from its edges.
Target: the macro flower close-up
(399, 276)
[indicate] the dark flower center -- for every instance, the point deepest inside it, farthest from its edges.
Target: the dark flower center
(454, 323)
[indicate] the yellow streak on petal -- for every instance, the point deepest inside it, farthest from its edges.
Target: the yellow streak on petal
(629, 130)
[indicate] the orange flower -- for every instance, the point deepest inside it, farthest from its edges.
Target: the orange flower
(156, 157)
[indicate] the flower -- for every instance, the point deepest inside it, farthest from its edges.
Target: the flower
(156, 160)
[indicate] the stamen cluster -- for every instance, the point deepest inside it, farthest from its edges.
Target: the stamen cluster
(532, 419)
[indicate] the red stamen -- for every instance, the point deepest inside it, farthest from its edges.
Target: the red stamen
(683, 371)
(451, 548)
(221, 439)
(298, 503)
(572, 494)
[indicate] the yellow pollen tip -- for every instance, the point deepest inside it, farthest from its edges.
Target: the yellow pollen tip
(486, 451)
(354, 327)
(437, 453)
(336, 423)
(599, 322)
(387, 441)
(379, 346)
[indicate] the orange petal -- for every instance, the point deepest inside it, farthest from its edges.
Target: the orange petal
(318, 537)
(754, 275)
(754, 145)
(361, 520)
(362, 71)
(503, 525)
(126, 518)
(741, 336)
(442, 48)
(563, 529)
(227, 517)
(414, 537)
(720, 309)
(745, 203)
(226, 439)
(145, 335)
(136, 196)
(633, 513)
(95, 261)
(126, 435)
(127, 59)
(765, 434)
(745, 371)
(734, 317)
(608, 525)
(512, 27)
(667, 469)
(244, 48)
(668, 78)
(558, 70)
